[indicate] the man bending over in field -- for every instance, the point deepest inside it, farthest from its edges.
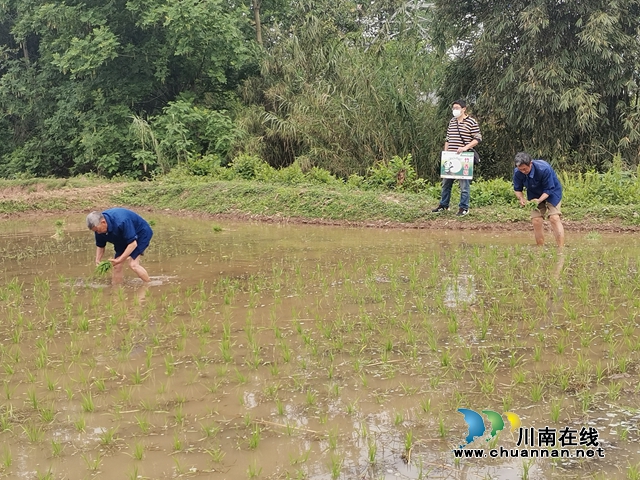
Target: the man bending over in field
(130, 235)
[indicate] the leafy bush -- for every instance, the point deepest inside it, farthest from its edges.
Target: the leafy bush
(321, 176)
(492, 192)
(206, 165)
(291, 175)
(355, 180)
(395, 174)
(250, 167)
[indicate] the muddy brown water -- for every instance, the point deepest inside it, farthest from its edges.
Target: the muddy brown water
(278, 351)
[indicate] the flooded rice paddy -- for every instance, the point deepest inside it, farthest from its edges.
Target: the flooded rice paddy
(276, 351)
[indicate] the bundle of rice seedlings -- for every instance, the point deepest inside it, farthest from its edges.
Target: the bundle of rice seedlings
(103, 267)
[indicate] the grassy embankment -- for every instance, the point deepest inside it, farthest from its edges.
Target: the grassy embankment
(613, 197)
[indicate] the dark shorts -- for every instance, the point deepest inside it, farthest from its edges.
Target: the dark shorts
(143, 244)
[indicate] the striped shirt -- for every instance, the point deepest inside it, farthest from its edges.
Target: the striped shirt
(462, 133)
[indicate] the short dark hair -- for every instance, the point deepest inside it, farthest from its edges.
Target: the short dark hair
(523, 158)
(460, 102)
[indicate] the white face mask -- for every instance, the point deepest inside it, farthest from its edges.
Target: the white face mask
(456, 112)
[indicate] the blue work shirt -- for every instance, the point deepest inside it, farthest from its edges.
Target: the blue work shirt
(123, 227)
(541, 179)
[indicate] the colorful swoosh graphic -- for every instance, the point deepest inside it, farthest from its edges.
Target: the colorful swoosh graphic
(514, 420)
(497, 423)
(475, 422)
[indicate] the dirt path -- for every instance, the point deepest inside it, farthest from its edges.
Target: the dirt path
(75, 199)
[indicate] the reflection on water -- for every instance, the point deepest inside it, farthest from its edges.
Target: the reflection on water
(278, 351)
(460, 291)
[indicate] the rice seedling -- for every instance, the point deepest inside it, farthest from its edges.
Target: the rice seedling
(169, 364)
(442, 429)
(100, 385)
(254, 438)
(613, 391)
(50, 384)
(33, 432)
(9, 369)
(425, 405)
(41, 360)
(311, 398)
(108, 437)
(633, 472)
(537, 353)
(408, 441)
(48, 475)
(138, 451)
(253, 470)
(5, 421)
(33, 398)
(487, 385)
(372, 451)
(134, 475)
(57, 448)
(16, 335)
(80, 423)
(179, 415)
(519, 377)
(177, 443)
(143, 423)
(136, 377)
(398, 418)
(7, 458)
(489, 365)
(336, 466)
(526, 467)
(69, 393)
(30, 376)
(47, 414)
(586, 399)
(445, 358)
(93, 463)
(537, 391)
(216, 454)
(209, 430)
(124, 393)
(514, 360)
(507, 402)
(623, 363)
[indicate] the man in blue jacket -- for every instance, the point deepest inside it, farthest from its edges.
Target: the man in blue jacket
(543, 188)
(130, 235)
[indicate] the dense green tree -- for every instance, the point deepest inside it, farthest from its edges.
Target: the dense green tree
(73, 74)
(559, 79)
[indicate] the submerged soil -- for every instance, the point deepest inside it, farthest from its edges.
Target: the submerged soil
(102, 198)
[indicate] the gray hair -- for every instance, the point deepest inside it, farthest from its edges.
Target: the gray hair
(93, 219)
(523, 158)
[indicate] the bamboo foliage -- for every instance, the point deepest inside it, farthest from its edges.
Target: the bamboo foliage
(345, 103)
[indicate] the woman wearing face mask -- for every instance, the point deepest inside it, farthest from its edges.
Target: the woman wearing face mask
(463, 134)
